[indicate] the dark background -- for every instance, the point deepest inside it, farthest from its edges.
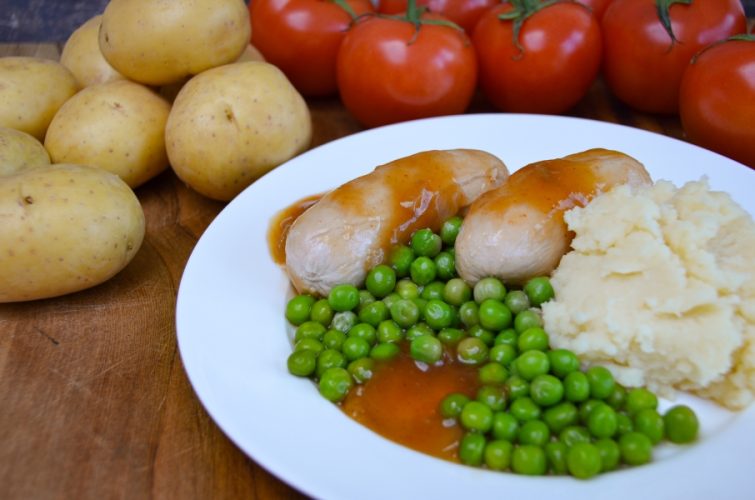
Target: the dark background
(54, 20)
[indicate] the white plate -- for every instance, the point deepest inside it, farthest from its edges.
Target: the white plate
(233, 342)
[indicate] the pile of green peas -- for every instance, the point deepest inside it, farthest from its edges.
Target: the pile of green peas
(536, 411)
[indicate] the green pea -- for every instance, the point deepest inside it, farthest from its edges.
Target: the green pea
(427, 349)
(445, 263)
(534, 432)
(586, 408)
(472, 351)
(494, 315)
(528, 459)
(457, 292)
(381, 280)
(489, 288)
(640, 399)
(385, 351)
(476, 416)
(530, 364)
(602, 421)
(302, 363)
(355, 348)
(546, 390)
(539, 290)
(574, 434)
(508, 336)
(421, 304)
(532, 339)
(555, 454)
(343, 297)
(391, 299)
(364, 331)
(401, 259)
(407, 289)
(426, 243)
(329, 358)
(624, 424)
(418, 330)
(516, 387)
(405, 313)
(433, 290)
(493, 396)
(343, 321)
(309, 330)
(560, 416)
(335, 384)
(498, 454)
(313, 345)
(609, 454)
(502, 354)
(389, 331)
(526, 320)
(505, 426)
(636, 448)
(493, 373)
(299, 308)
(450, 230)
(468, 314)
(517, 301)
(365, 297)
(618, 397)
(361, 369)
(438, 314)
(650, 423)
(563, 362)
(576, 387)
(451, 405)
(524, 409)
(601, 382)
(374, 313)
(450, 336)
(583, 460)
(472, 448)
(322, 312)
(681, 424)
(333, 339)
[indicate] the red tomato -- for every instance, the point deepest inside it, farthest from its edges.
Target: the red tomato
(717, 100)
(641, 63)
(302, 37)
(390, 71)
(598, 7)
(559, 60)
(465, 13)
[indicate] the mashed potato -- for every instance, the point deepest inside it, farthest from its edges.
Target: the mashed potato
(660, 288)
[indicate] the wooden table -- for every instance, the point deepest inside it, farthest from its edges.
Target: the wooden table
(94, 400)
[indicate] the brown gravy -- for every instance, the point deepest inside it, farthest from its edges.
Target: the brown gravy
(401, 403)
(277, 231)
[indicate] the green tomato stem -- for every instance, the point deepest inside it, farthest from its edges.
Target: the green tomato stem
(345, 6)
(662, 7)
(523, 9)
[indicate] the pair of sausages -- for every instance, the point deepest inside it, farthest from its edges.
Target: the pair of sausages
(514, 228)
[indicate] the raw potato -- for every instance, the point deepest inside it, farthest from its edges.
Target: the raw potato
(20, 151)
(230, 125)
(31, 91)
(82, 56)
(64, 228)
(118, 126)
(157, 42)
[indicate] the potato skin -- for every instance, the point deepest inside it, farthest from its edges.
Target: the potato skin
(230, 125)
(82, 56)
(64, 228)
(31, 91)
(157, 42)
(20, 151)
(118, 126)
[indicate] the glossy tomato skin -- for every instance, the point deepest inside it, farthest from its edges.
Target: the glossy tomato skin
(641, 65)
(717, 100)
(465, 13)
(302, 38)
(598, 7)
(388, 72)
(561, 58)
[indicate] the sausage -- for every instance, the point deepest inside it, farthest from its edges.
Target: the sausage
(352, 228)
(517, 231)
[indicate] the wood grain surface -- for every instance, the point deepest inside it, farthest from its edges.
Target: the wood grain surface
(94, 400)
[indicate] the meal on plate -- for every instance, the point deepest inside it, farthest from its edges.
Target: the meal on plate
(522, 323)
